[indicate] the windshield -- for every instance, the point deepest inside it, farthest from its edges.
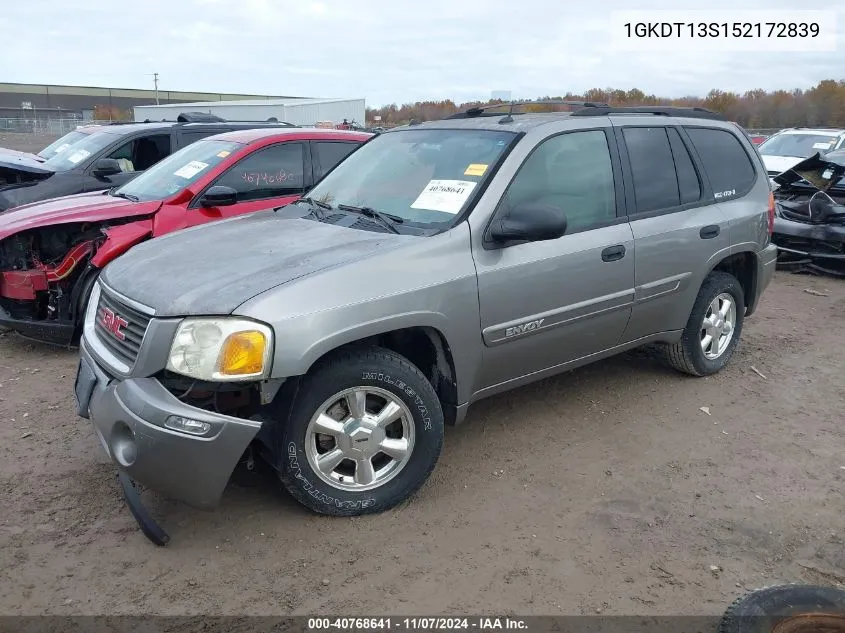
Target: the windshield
(177, 171)
(57, 147)
(424, 177)
(80, 151)
(799, 145)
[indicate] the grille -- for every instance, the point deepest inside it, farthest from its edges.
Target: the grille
(125, 349)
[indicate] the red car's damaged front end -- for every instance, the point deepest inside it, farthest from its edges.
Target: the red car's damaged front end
(51, 252)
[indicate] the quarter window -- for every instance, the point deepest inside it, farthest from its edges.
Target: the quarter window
(726, 162)
(572, 172)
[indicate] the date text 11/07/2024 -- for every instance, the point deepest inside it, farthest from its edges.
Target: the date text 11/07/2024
(417, 624)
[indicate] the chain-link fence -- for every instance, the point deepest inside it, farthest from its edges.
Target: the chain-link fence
(42, 127)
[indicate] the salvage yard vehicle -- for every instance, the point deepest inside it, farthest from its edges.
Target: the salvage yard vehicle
(789, 147)
(108, 157)
(809, 226)
(51, 252)
(438, 264)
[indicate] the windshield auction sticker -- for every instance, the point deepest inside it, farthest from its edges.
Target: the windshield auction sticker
(191, 169)
(447, 196)
(79, 155)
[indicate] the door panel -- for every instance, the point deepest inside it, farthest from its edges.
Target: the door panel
(549, 302)
(671, 258)
(546, 303)
(676, 226)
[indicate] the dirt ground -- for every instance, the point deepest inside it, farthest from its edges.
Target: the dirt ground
(606, 489)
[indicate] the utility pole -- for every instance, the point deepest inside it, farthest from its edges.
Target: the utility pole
(155, 82)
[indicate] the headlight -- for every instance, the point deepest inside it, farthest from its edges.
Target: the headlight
(221, 350)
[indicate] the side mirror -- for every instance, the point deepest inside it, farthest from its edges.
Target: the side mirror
(219, 196)
(106, 167)
(531, 221)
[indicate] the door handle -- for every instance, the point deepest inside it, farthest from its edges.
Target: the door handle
(709, 232)
(612, 253)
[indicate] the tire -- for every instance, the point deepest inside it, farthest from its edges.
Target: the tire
(85, 294)
(383, 376)
(763, 610)
(688, 355)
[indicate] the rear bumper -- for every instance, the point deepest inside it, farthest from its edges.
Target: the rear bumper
(129, 417)
(766, 261)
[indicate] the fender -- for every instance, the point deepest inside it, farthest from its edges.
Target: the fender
(120, 239)
(292, 358)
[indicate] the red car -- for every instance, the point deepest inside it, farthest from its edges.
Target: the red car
(51, 252)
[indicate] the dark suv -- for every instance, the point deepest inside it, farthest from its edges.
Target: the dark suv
(109, 157)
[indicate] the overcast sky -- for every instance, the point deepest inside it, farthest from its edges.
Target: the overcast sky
(379, 50)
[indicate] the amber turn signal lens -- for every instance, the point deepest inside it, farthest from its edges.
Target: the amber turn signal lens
(243, 354)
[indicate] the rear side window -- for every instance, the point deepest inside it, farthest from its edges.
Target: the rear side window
(653, 168)
(726, 162)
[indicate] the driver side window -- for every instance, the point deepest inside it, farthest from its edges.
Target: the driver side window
(572, 172)
(271, 172)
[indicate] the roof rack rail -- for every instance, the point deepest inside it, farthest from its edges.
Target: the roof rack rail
(479, 111)
(688, 112)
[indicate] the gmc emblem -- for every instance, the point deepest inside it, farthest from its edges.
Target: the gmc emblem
(114, 323)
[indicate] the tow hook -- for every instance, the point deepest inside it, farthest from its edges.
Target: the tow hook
(148, 526)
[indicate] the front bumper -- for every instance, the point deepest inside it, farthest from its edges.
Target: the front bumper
(53, 332)
(128, 417)
(818, 247)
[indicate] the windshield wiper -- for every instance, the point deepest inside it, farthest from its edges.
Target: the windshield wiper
(387, 220)
(125, 196)
(319, 204)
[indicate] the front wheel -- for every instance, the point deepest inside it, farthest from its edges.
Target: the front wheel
(365, 432)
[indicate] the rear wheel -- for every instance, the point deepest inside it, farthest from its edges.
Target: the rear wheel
(365, 432)
(713, 329)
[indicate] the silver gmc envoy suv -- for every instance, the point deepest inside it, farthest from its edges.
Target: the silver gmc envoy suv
(440, 263)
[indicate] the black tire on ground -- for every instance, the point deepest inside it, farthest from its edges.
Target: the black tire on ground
(362, 367)
(764, 609)
(87, 286)
(686, 355)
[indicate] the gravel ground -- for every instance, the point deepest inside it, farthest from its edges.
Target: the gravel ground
(606, 489)
(25, 142)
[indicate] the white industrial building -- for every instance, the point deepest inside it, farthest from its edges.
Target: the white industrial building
(298, 111)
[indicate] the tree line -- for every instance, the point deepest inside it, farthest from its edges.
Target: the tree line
(821, 105)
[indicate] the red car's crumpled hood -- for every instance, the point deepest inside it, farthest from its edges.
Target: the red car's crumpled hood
(83, 207)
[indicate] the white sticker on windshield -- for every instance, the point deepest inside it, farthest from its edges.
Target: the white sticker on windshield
(827, 174)
(61, 148)
(447, 196)
(79, 155)
(822, 145)
(191, 169)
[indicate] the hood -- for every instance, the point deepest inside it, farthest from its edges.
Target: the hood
(5, 152)
(19, 171)
(821, 173)
(83, 207)
(212, 269)
(779, 164)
